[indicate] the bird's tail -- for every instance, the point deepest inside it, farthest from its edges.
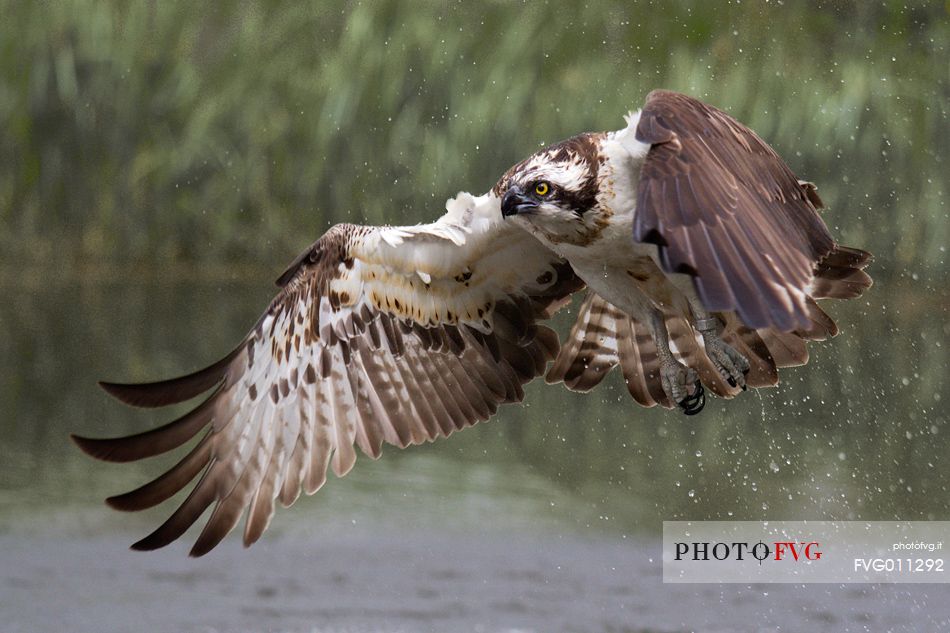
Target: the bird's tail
(603, 337)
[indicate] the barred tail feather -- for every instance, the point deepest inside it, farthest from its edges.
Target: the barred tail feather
(591, 349)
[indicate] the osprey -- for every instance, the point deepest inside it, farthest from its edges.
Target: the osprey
(702, 254)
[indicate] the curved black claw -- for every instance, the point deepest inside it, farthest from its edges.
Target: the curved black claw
(691, 405)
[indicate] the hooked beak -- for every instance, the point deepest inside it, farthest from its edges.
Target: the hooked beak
(516, 201)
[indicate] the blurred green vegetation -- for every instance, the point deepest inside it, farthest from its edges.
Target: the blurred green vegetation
(237, 132)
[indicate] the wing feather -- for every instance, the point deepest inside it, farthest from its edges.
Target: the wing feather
(321, 447)
(152, 442)
(175, 390)
(168, 484)
(724, 208)
(378, 335)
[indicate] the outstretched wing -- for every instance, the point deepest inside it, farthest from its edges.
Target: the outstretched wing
(724, 208)
(400, 335)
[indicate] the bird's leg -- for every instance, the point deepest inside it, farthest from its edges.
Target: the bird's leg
(732, 365)
(681, 383)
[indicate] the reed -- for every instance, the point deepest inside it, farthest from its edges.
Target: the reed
(157, 132)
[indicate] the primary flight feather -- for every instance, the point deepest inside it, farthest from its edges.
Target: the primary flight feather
(703, 257)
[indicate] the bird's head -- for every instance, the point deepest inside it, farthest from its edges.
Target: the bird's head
(556, 192)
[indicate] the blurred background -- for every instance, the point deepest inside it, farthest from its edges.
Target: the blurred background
(160, 163)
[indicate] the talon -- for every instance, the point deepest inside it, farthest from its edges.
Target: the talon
(732, 366)
(691, 405)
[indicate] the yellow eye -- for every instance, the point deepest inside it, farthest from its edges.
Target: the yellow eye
(542, 188)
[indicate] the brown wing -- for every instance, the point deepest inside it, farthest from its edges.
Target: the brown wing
(724, 208)
(356, 348)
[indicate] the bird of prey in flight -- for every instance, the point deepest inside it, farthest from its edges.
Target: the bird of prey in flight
(702, 255)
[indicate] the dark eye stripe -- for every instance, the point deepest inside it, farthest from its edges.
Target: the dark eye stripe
(581, 200)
